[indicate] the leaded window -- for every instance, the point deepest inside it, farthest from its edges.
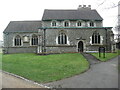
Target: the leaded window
(95, 38)
(17, 41)
(91, 24)
(54, 24)
(79, 24)
(34, 40)
(66, 23)
(62, 38)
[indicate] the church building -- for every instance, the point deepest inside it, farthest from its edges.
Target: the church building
(59, 31)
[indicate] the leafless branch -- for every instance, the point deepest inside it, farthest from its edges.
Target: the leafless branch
(101, 3)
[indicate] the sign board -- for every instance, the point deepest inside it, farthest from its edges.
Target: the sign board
(102, 50)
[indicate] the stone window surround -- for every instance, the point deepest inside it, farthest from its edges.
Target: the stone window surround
(63, 38)
(55, 22)
(62, 31)
(88, 23)
(101, 41)
(14, 41)
(77, 23)
(66, 21)
(82, 23)
(96, 38)
(22, 37)
(31, 39)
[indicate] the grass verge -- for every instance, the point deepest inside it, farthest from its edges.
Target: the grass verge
(108, 56)
(45, 68)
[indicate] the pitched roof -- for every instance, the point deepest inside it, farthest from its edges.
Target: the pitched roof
(23, 26)
(84, 14)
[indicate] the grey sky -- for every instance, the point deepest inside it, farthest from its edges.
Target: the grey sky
(14, 10)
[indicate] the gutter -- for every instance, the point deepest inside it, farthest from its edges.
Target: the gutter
(75, 28)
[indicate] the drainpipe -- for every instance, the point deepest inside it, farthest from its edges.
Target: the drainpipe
(7, 42)
(44, 39)
(106, 39)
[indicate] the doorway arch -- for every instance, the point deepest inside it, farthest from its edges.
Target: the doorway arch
(80, 46)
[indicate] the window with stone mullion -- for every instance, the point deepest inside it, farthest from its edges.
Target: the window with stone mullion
(95, 38)
(91, 23)
(79, 23)
(66, 24)
(59, 39)
(98, 39)
(53, 23)
(62, 39)
(65, 39)
(17, 41)
(34, 40)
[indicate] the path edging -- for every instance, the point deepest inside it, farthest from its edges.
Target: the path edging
(20, 77)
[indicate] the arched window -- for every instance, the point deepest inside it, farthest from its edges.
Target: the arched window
(91, 24)
(79, 24)
(34, 40)
(62, 38)
(54, 24)
(17, 41)
(95, 38)
(66, 23)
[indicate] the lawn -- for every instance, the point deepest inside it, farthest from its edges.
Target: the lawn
(118, 52)
(108, 56)
(0, 50)
(0, 58)
(45, 68)
(0, 61)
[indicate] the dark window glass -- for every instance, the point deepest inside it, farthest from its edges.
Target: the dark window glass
(58, 39)
(62, 38)
(66, 24)
(91, 23)
(17, 41)
(65, 39)
(79, 23)
(53, 23)
(34, 40)
(99, 39)
(95, 38)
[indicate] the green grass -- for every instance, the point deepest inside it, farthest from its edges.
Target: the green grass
(0, 61)
(45, 68)
(0, 58)
(108, 56)
(0, 50)
(118, 52)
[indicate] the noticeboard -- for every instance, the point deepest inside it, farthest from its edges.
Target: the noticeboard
(102, 51)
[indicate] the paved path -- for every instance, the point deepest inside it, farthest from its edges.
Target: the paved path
(101, 75)
(9, 81)
(91, 59)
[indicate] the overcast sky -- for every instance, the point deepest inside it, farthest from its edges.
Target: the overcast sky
(18, 10)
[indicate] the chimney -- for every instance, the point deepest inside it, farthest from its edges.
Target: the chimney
(84, 7)
(80, 6)
(89, 6)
